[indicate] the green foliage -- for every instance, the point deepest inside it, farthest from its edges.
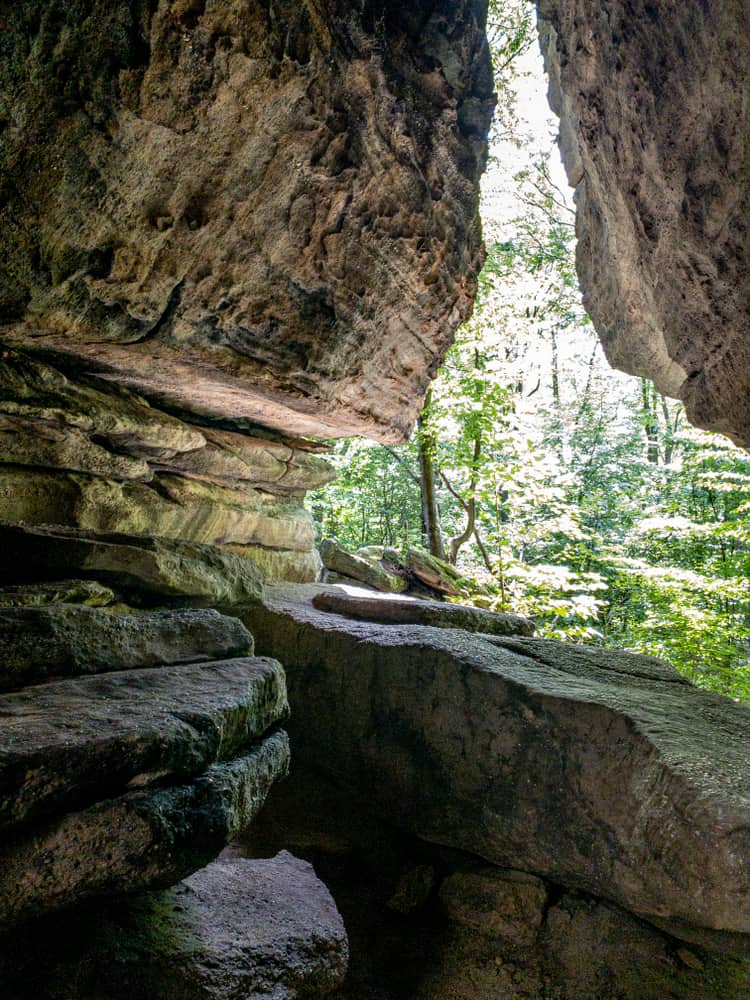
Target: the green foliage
(568, 492)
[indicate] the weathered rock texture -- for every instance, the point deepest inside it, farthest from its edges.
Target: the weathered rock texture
(601, 770)
(79, 451)
(38, 644)
(484, 933)
(653, 99)
(391, 611)
(258, 210)
(144, 839)
(252, 929)
(73, 742)
(146, 570)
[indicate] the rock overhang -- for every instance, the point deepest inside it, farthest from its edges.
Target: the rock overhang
(259, 211)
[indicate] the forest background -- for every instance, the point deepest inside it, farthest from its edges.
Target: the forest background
(559, 488)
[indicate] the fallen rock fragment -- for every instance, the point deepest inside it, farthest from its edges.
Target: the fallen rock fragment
(404, 611)
(506, 905)
(264, 929)
(38, 644)
(358, 568)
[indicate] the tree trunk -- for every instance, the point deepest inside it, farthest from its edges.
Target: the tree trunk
(650, 423)
(431, 532)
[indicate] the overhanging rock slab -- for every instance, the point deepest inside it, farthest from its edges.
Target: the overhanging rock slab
(599, 770)
(145, 838)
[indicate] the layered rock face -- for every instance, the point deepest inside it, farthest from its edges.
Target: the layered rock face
(653, 101)
(78, 451)
(260, 210)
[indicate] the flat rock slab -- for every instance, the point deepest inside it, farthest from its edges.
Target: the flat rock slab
(37, 644)
(588, 767)
(406, 611)
(155, 569)
(150, 837)
(247, 929)
(70, 743)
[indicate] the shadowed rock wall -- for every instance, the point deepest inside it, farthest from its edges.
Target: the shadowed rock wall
(653, 99)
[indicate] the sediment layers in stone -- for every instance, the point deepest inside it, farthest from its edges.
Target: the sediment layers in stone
(266, 212)
(80, 452)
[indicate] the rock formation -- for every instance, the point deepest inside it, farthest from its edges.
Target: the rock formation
(265, 211)
(226, 227)
(587, 766)
(653, 100)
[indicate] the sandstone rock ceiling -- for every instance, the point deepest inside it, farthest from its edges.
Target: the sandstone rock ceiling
(259, 209)
(654, 97)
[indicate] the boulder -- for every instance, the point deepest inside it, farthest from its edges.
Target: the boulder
(652, 98)
(37, 644)
(70, 743)
(357, 568)
(264, 929)
(433, 573)
(407, 611)
(146, 838)
(594, 768)
(153, 570)
(507, 906)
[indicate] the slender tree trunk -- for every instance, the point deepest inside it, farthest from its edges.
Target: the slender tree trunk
(431, 532)
(650, 423)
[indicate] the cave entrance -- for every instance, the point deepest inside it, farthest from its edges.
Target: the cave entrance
(555, 485)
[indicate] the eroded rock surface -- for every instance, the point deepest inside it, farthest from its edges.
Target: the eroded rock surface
(653, 100)
(38, 644)
(266, 211)
(148, 570)
(256, 929)
(394, 611)
(73, 742)
(79, 451)
(600, 770)
(146, 838)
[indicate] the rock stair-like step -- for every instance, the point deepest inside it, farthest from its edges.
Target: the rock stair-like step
(144, 838)
(40, 644)
(68, 744)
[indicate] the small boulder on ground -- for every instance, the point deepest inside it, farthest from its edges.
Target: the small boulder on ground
(265, 929)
